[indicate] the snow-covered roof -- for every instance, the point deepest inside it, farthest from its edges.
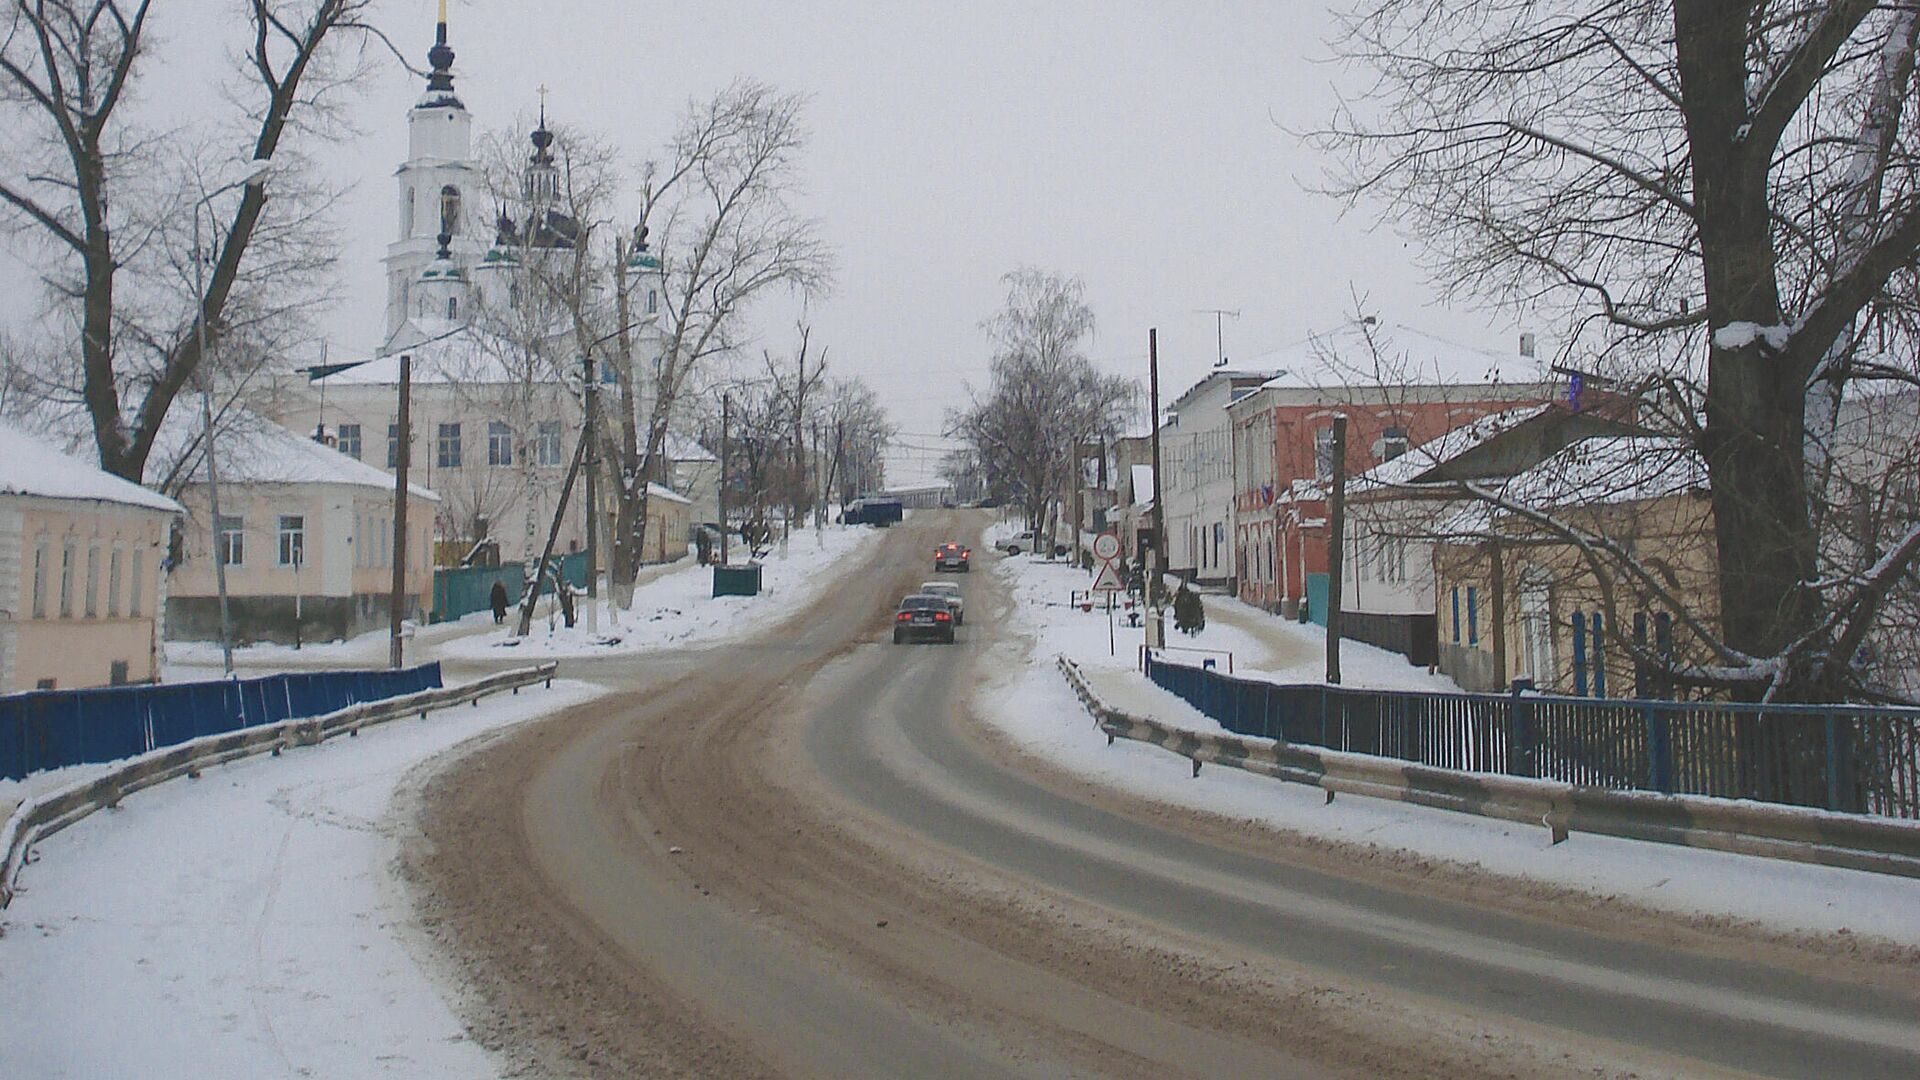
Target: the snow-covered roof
(657, 491)
(1219, 375)
(1407, 357)
(29, 466)
(254, 450)
(1427, 455)
(452, 353)
(1142, 478)
(1611, 469)
(682, 449)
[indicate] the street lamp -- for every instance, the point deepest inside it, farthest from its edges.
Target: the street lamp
(256, 175)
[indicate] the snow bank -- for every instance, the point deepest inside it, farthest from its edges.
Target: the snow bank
(678, 608)
(244, 924)
(1034, 706)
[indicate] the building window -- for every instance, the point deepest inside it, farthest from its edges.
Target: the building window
(293, 540)
(1323, 453)
(447, 447)
(406, 215)
(136, 581)
(453, 307)
(499, 443)
(347, 440)
(653, 301)
(113, 582)
(547, 446)
(450, 210)
(93, 581)
(231, 547)
(393, 446)
(1473, 616)
(40, 559)
(66, 580)
(1393, 443)
(1456, 614)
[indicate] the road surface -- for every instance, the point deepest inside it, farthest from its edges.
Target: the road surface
(801, 855)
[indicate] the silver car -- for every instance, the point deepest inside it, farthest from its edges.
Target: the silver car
(951, 592)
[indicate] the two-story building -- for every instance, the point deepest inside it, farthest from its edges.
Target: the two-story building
(1196, 456)
(1398, 388)
(82, 570)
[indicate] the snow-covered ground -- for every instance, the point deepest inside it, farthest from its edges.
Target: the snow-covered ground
(246, 924)
(678, 608)
(1032, 703)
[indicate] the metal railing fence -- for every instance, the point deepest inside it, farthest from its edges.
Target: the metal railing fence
(1851, 758)
(50, 729)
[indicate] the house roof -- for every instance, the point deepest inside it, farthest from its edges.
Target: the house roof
(1344, 356)
(1217, 375)
(1611, 469)
(658, 491)
(452, 353)
(254, 450)
(679, 448)
(1409, 467)
(29, 466)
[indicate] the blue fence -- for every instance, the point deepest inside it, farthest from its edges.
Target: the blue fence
(48, 729)
(1859, 759)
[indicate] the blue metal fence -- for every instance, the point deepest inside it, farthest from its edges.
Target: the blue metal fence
(49, 729)
(1854, 758)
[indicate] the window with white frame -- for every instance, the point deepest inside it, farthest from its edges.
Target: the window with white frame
(447, 447)
(293, 540)
(42, 555)
(230, 545)
(67, 556)
(347, 440)
(547, 443)
(499, 443)
(1323, 453)
(136, 580)
(113, 582)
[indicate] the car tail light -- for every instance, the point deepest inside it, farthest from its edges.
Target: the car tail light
(966, 553)
(942, 616)
(903, 616)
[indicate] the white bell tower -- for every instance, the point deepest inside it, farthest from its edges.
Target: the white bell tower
(439, 190)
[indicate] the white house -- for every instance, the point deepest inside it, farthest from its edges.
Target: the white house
(1196, 459)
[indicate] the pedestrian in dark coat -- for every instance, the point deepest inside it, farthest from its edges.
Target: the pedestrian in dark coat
(499, 601)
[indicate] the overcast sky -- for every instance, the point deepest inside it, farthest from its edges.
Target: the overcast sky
(1142, 146)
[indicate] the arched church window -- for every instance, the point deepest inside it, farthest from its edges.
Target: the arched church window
(453, 307)
(450, 210)
(406, 215)
(513, 294)
(420, 309)
(653, 301)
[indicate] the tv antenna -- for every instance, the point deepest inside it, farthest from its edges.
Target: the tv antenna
(1220, 317)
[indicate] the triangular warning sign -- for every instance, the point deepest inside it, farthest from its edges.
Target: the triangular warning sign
(1107, 579)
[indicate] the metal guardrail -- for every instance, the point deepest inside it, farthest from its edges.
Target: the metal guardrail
(1850, 758)
(1800, 834)
(43, 815)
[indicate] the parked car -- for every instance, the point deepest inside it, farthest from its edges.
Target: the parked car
(1014, 545)
(952, 556)
(923, 617)
(954, 600)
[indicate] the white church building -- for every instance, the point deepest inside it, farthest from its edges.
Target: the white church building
(496, 379)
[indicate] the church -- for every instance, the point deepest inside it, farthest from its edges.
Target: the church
(496, 402)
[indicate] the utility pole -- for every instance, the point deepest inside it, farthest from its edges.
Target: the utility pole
(396, 601)
(213, 472)
(592, 398)
(553, 537)
(1336, 545)
(819, 491)
(1220, 317)
(726, 419)
(1156, 624)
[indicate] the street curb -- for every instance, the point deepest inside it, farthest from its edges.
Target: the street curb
(1797, 834)
(41, 816)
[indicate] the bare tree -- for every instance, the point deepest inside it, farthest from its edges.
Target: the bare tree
(1720, 197)
(723, 215)
(857, 431)
(1045, 397)
(107, 196)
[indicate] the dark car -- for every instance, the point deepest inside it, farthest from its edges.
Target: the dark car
(952, 556)
(923, 617)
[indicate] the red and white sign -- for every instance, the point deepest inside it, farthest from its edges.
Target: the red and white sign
(1107, 578)
(1106, 547)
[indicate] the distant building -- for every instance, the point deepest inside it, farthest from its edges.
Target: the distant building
(1196, 457)
(82, 558)
(307, 536)
(922, 496)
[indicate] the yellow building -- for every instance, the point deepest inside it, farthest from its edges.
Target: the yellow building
(81, 568)
(1528, 596)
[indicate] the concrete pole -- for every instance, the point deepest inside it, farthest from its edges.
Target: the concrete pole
(213, 471)
(1156, 624)
(1336, 545)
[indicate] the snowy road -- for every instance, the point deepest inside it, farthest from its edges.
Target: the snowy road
(803, 855)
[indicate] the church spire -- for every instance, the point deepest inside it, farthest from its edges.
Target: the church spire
(440, 79)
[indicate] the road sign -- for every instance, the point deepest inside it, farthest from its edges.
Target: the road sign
(1106, 547)
(1108, 579)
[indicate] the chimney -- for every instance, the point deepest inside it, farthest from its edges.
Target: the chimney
(1526, 344)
